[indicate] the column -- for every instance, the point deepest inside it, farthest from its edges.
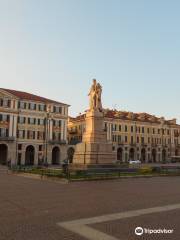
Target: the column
(110, 132)
(50, 129)
(65, 130)
(11, 126)
(62, 130)
(15, 126)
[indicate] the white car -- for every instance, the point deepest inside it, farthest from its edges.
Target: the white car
(134, 162)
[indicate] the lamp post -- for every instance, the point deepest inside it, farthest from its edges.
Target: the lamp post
(47, 133)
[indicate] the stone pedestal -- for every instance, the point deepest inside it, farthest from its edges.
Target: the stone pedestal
(94, 148)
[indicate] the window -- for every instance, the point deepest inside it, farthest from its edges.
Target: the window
(119, 128)
(142, 129)
(40, 121)
(19, 146)
(40, 135)
(142, 140)
(1, 102)
(32, 121)
(21, 133)
(22, 120)
(132, 128)
(137, 139)
(57, 123)
(126, 139)
(57, 109)
(22, 105)
(6, 103)
(32, 106)
(119, 138)
(42, 107)
(4, 132)
(40, 148)
(148, 130)
(132, 140)
(56, 136)
(4, 118)
(126, 128)
(31, 134)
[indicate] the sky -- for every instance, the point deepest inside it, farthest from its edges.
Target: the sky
(54, 48)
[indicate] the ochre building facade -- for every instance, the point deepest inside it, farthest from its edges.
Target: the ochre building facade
(135, 136)
(33, 129)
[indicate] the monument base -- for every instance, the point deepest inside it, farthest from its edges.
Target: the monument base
(94, 153)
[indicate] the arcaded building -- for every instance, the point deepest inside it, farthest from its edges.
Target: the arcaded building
(135, 136)
(33, 129)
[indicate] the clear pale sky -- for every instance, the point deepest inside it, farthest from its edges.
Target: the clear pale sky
(54, 48)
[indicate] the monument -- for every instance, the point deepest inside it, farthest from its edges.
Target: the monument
(94, 149)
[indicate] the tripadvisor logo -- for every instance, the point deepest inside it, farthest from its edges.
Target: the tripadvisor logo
(140, 231)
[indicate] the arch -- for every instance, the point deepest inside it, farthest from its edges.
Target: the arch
(143, 154)
(55, 156)
(164, 155)
(3, 154)
(120, 154)
(70, 154)
(154, 155)
(29, 156)
(131, 154)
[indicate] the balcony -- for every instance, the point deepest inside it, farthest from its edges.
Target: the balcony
(74, 141)
(57, 142)
(72, 131)
(9, 139)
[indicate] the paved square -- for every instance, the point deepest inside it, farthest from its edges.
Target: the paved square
(32, 209)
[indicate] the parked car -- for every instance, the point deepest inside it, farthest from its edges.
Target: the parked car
(134, 162)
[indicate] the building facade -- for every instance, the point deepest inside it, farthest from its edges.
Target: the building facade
(33, 129)
(134, 136)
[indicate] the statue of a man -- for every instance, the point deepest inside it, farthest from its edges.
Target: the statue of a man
(92, 95)
(95, 96)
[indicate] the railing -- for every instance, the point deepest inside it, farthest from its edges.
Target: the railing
(74, 142)
(98, 173)
(57, 142)
(3, 138)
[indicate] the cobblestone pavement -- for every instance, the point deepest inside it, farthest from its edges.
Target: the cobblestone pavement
(30, 208)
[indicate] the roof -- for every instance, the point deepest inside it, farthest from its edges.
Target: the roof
(141, 117)
(31, 97)
(125, 115)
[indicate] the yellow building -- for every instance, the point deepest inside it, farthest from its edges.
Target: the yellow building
(33, 129)
(135, 136)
